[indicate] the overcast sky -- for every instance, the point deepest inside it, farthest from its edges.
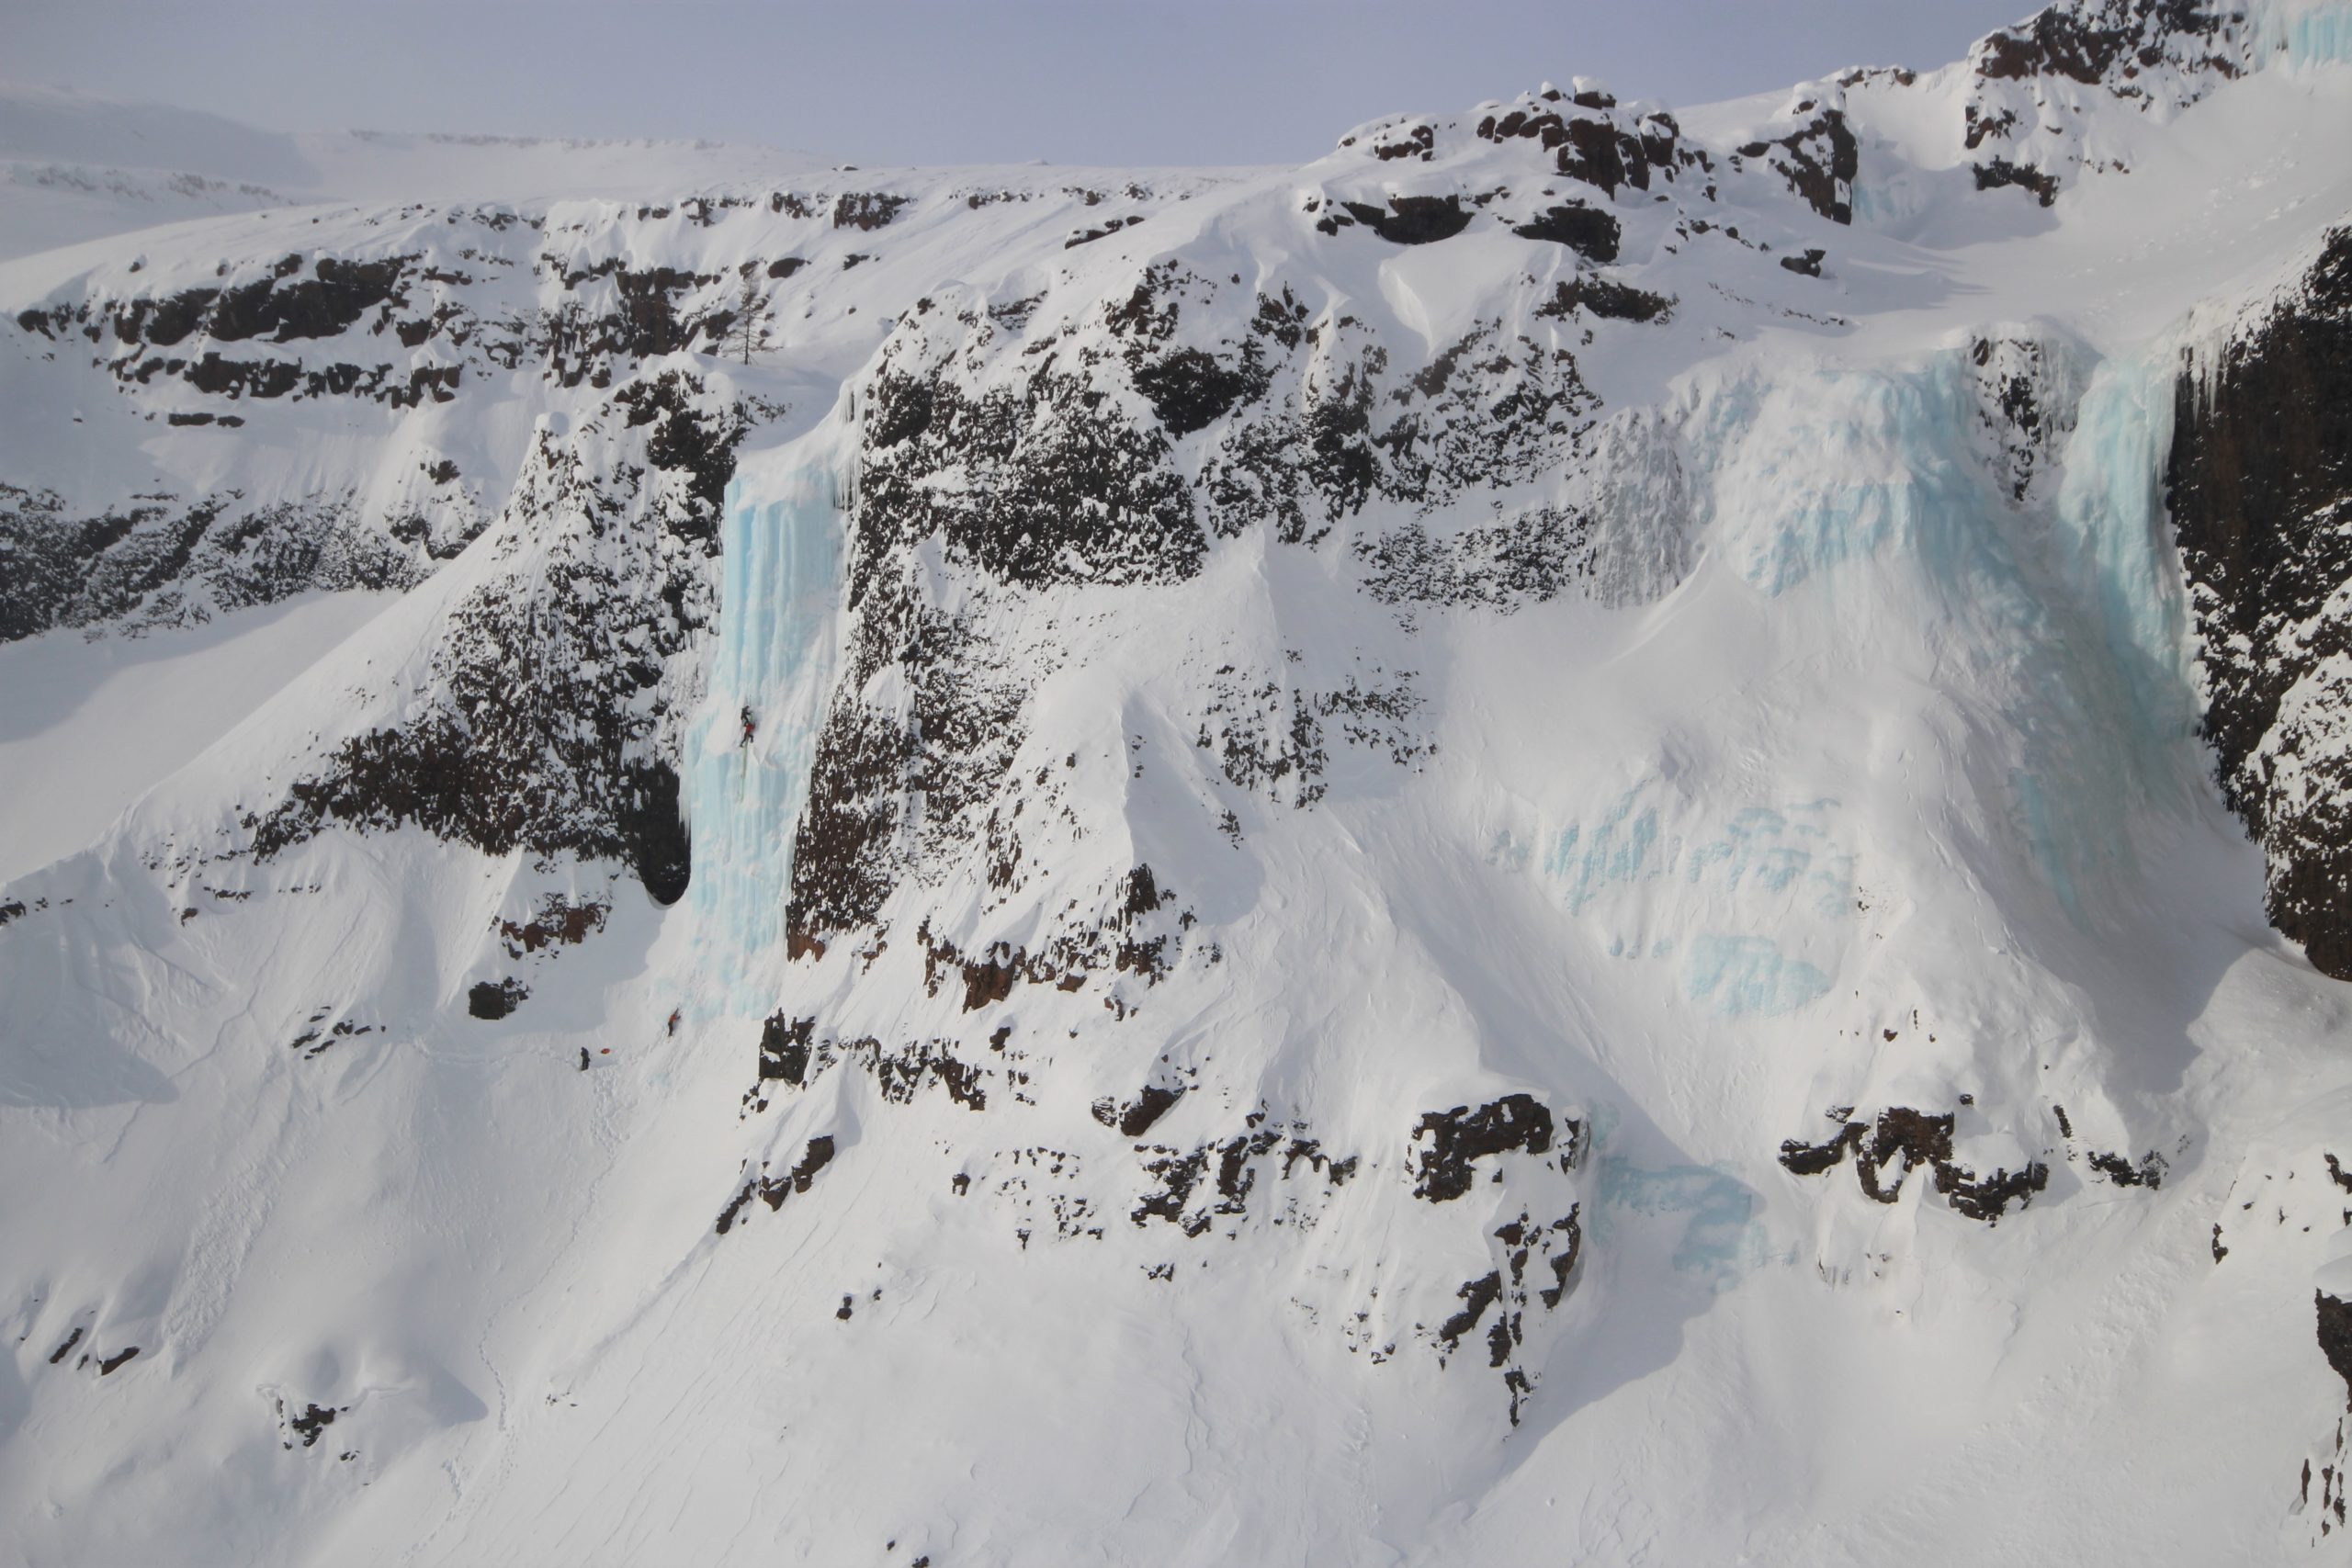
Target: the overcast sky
(982, 81)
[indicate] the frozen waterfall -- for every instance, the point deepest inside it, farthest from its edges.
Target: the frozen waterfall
(771, 674)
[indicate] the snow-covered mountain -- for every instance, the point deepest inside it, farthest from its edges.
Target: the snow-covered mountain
(1589, 834)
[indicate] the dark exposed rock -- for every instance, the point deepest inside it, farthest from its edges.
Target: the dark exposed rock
(2026, 402)
(791, 1050)
(773, 1191)
(1564, 1261)
(219, 375)
(1144, 894)
(1808, 265)
(651, 324)
(2336, 1335)
(1253, 745)
(2025, 81)
(552, 729)
(1529, 1251)
(495, 998)
(1812, 1159)
(683, 437)
(313, 1420)
(1531, 560)
(1820, 159)
(1191, 389)
(1447, 1142)
(2118, 1168)
(46, 557)
(1412, 220)
(315, 1042)
(1135, 1118)
(784, 1049)
(2085, 41)
(1024, 519)
(899, 1074)
(559, 921)
(1605, 298)
(1415, 141)
(326, 304)
(165, 562)
(1994, 173)
(1099, 232)
(961, 1080)
(655, 316)
(1588, 230)
(1073, 492)
(1231, 1168)
(866, 210)
(1590, 140)
(841, 863)
(1178, 1175)
(339, 294)
(1988, 1198)
(1904, 1140)
(652, 829)
(168, 560)
(1061, 484)
(2260, 483)
(1476, 1296)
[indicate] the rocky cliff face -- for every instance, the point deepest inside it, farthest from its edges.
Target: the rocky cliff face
(551, 714)
(2260, 484)
(1337, 798)
(2037, 91)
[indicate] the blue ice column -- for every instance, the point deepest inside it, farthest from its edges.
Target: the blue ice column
(2116, 547)
(2113, 660)
(780, 588)
(2307, 35)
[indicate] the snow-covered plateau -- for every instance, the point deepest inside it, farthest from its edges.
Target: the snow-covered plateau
(1589, 835)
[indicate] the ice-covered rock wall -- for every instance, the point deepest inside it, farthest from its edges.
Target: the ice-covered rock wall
(2260, 484)
(1507, 800)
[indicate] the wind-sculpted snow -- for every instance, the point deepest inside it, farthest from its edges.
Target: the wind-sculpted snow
(1477, 853)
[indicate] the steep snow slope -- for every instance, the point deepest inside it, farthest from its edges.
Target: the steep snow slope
(1504, 849)
(91, 726)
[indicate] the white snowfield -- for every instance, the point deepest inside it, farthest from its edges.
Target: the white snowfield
(1855, 771)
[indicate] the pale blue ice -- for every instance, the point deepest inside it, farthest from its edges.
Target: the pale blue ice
(2320, 35)
(1742, 976)
(749, 756)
